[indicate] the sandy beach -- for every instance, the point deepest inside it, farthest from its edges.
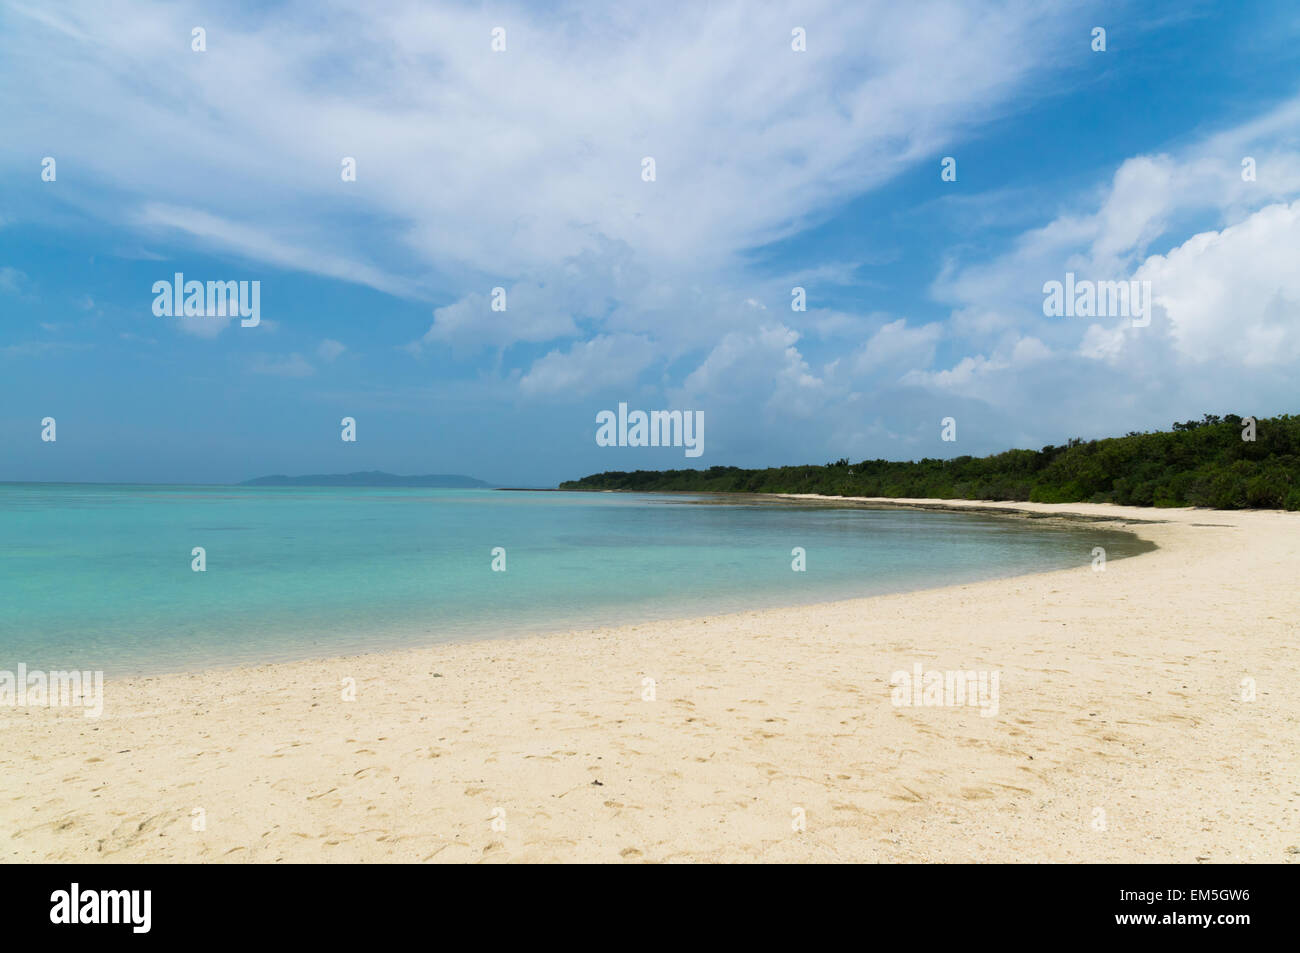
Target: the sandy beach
(1123, 732)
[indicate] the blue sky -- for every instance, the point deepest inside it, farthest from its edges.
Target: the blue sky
(521, 169)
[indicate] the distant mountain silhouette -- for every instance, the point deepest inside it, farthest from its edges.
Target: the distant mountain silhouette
(371, 478)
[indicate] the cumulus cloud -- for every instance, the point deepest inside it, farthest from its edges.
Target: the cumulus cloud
(1234, 295)
(898, 348)
(758, 369)
(533, 313)
(603, 362)
(1226, 300)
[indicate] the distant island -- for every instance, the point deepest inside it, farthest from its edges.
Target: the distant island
(1224, 463)
(372, 478)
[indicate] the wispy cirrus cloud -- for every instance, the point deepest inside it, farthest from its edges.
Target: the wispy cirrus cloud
(477, 168)
(522, 170)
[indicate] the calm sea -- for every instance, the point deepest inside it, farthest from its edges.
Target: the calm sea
(100, 577)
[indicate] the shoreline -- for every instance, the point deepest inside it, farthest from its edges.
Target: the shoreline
(755, 714)
(407, 637)
(1065, 512)
(1068, 512)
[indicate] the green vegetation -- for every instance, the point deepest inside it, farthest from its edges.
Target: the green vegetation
(1199, 463)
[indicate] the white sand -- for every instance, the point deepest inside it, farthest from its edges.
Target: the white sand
(1120, 691)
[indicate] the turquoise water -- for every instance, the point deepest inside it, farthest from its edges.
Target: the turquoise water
(99, 577)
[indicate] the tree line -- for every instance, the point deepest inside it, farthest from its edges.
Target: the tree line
(1220, 462)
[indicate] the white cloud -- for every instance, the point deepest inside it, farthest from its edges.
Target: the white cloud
(292, 365)
(1227, 299)
(1233, 295)
(250, 242)
(898, 348)
(11, 280)
(1029, 351)
(533, 313)
(329, 350)
(207, 327)
(521, 170)
(757, 369)
(606, 361)
(476, 169)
